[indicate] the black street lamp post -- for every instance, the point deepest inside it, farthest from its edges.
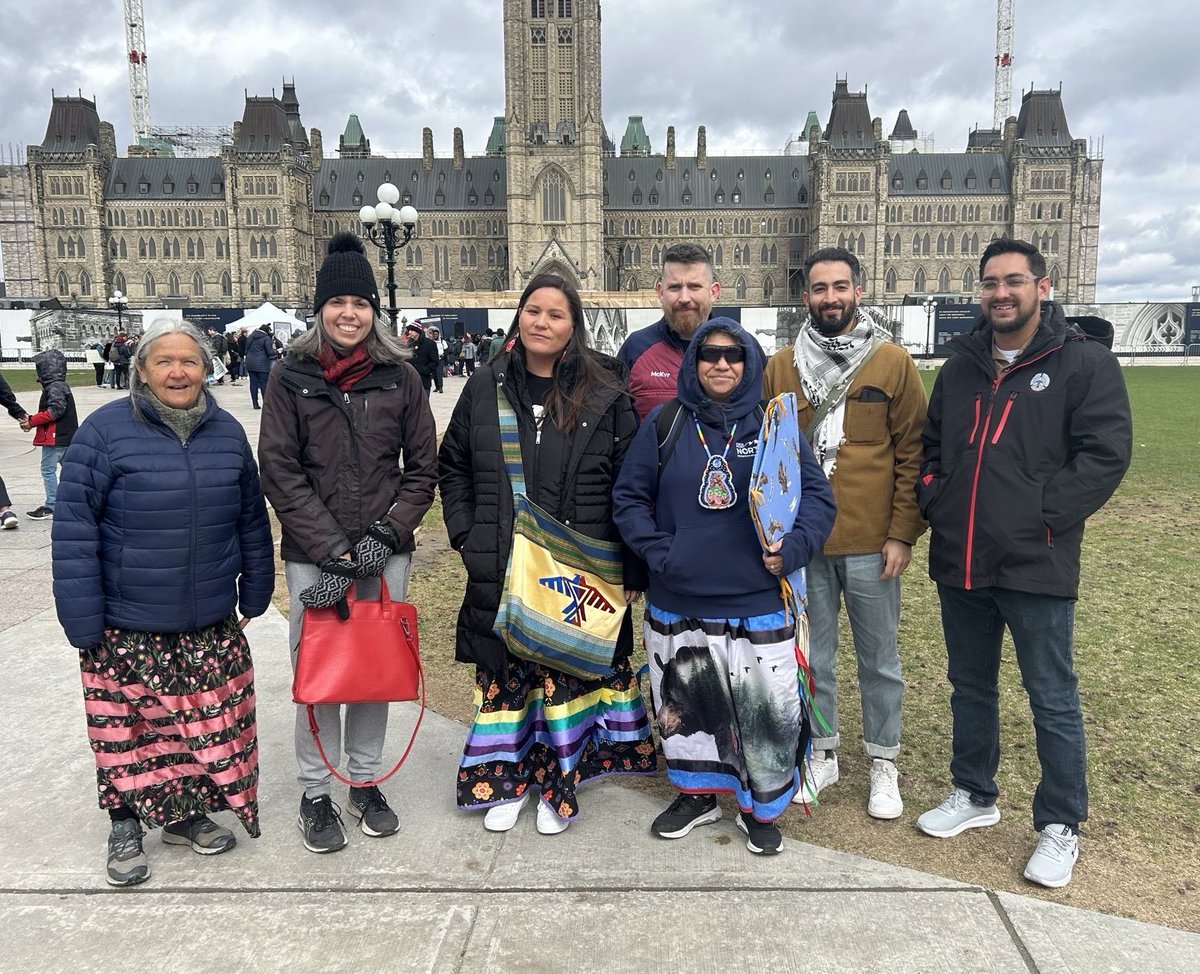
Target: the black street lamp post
(930, 307)
(119, 303)
(389, 229)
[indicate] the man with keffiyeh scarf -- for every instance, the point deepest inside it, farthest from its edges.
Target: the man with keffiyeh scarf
(863, 407)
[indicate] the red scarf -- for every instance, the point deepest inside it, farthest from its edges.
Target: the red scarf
(345, 370)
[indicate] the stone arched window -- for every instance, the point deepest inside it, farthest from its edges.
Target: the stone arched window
(554, 198)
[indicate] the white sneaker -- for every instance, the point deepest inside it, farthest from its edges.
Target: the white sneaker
(885, 801)
(501, 818)
(957, 814)
(1054, 858)
(816, 773)
(548, 822)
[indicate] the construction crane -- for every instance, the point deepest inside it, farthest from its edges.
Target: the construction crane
(175, 140)
(139, 82)
(1004, 62)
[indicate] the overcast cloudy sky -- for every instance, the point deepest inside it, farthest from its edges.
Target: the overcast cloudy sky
(749, 72)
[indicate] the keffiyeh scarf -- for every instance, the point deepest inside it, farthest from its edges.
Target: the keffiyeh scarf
(825, 366)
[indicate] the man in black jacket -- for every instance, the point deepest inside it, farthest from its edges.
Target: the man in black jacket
(1029, 433)
(425, 358)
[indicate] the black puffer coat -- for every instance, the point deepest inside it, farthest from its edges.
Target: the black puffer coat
(569, 475)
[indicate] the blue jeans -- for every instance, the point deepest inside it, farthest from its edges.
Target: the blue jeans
(1042, 628)
(51, 458)
(258, 385)
(873, 608)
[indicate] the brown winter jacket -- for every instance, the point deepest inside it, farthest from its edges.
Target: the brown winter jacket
(876, 473)
(330, 461)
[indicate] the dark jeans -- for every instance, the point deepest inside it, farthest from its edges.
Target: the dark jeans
(99, 367)
(258, 385)
(1042, 628)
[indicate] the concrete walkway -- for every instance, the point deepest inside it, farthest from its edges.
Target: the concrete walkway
(444, 895)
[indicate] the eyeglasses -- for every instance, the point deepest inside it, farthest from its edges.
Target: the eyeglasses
(1013, 282)
(712, 354)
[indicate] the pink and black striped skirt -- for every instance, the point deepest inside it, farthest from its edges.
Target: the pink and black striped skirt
(171, 722)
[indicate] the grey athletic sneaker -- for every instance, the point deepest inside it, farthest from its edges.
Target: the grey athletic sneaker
(127, 863)
(957, 814)
(1054, 858)
(204, 835)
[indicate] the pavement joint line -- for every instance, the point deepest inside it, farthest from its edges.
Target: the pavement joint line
(505, 891)
(1017, 940)
(467, 940)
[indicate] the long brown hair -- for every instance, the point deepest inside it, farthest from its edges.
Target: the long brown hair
(579, 373)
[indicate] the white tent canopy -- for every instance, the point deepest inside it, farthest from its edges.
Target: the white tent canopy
(267, 314)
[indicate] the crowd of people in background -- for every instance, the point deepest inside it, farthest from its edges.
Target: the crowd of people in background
(1027, 433)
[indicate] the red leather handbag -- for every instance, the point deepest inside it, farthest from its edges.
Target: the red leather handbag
(371, 657)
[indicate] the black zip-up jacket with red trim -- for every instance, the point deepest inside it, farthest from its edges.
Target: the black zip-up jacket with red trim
(1015, 465)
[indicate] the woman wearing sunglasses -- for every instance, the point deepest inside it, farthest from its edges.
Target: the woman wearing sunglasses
(720, 645)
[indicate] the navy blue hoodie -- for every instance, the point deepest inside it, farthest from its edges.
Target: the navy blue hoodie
(706, 563)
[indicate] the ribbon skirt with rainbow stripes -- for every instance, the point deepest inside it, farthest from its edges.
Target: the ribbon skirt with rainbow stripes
(171, 720)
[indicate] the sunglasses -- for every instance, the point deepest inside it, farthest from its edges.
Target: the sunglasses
(712, 354)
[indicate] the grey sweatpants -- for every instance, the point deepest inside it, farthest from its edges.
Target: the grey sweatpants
(365, 723)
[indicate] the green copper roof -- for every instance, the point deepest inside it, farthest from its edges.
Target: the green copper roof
(354, 133)
(495, 143)
(810, 122)
(635, 141)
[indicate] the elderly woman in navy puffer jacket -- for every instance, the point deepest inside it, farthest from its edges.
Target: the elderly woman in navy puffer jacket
(160, 540)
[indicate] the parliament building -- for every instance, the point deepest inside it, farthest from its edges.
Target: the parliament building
(554, 192)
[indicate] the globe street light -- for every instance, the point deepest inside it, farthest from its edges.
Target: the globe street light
(119, 302)
(389, 229)
(930, 306)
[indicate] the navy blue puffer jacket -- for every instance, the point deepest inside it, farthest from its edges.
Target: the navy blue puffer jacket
(154, 535)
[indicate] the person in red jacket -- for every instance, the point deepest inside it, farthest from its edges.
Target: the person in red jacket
(55, 422)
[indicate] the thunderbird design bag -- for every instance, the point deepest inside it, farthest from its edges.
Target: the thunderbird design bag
(563, 602)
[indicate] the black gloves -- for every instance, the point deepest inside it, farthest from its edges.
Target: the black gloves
(337, 575)
(370, 555)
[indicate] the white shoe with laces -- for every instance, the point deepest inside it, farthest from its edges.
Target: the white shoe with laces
(885, 801)
(1054, 858)
(816, 773)
(548, 822)
(501, 818)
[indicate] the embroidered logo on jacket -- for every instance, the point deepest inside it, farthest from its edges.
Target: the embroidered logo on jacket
(582, 596)
(1039, 382)
(747, 449)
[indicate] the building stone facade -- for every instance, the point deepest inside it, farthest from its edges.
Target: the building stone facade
(553, 193)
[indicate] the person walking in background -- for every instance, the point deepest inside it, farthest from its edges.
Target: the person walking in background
(235, 358)
(55, 421)
(1029, 434)
(469, 348)
(862, 406)
(348, 448)
(95, 353)
(719, 641)
(260, 355)
(425, 358)
(8, 519)
(435, 335)
(121, 355)
(537, 728)
(160, 539)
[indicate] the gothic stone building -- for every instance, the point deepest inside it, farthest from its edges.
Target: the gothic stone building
(553, 192)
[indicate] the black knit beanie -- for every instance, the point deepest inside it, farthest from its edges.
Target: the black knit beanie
(345, 270)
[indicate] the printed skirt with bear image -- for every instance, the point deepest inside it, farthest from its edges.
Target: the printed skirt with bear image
(726, 696)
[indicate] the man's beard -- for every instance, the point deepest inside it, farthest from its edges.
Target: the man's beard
(830, 328)
(1018, 322)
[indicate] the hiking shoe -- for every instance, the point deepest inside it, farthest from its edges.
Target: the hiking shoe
(957, 814)
(1054, 858)
(548, 820)
(204, 835)
(41, 513)
(684, 814)
(369, 806)
(885, 801)
(501, 818)
(127, 863)
(816, 773)
(9, 521)
(321, 822)
(762, 838)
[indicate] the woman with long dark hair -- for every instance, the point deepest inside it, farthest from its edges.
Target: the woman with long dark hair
(536, 727)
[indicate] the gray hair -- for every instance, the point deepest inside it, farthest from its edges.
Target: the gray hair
(160, 328)
(383, 347)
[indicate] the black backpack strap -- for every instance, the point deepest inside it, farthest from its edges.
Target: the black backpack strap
(668, 426)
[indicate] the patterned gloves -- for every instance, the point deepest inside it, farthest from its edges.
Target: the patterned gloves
(370, 555)
(337, 575)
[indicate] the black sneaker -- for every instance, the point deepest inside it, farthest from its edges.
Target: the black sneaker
(684, 814)
(371, 809)
(762, 838)
(8, 521)
(41, 514)
(321, 823)
(127, 863)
